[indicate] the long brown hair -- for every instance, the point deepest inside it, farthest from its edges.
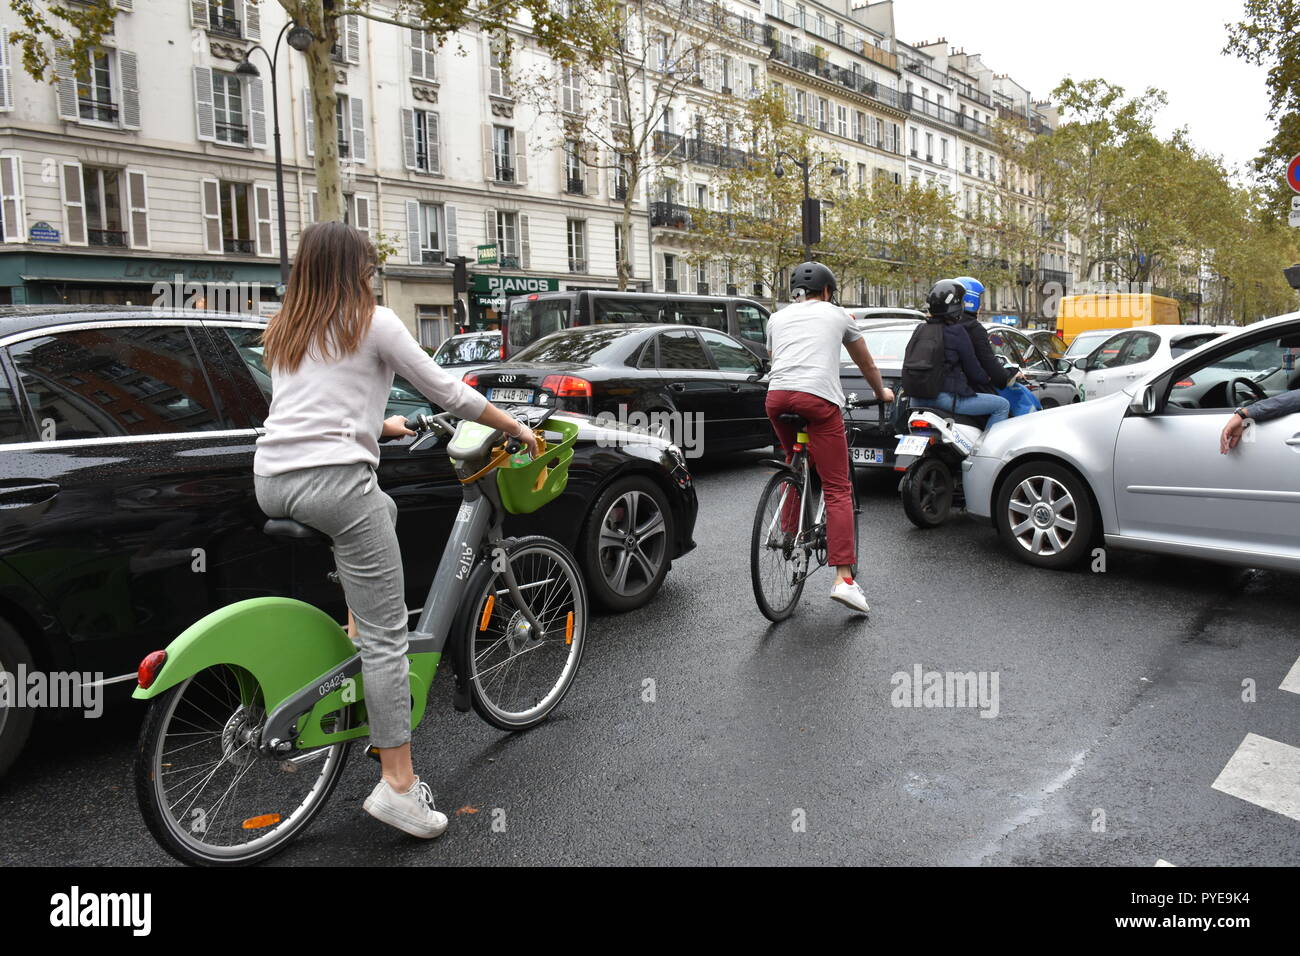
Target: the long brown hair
(329, 301)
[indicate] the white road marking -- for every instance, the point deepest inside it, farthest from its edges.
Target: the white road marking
(1291, 681)
(1266, 773)
(1164, 863)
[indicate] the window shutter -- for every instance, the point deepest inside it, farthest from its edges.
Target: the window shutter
(74, 204)
(357, 116)
(490, 229)
(6, 72)
(415, 40)
(205, 118)
(352, 38)
(252, 20)
(124, 5)
(433, 133)
(262, 219)
(212, 215)
(199, 13)
(67, 81)
(591, 171)
(452, 241)
(130, 89)
(257, 111)
(489, 174)
(11, 198)
(408, 138)
(309, 121)
(361, 213)
(525, 250)
(313, 207)
(137, 207)
(412, 232)
(521, 156)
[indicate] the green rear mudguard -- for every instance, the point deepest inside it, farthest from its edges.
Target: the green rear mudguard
(283, 643)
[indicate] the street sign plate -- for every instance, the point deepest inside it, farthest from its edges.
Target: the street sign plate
(1293, 173)
(1294, 219)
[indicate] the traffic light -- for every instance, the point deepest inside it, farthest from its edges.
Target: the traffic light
(459, 275)
(812, 221)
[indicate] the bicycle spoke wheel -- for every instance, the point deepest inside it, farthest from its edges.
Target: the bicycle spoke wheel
(208, 795)
(777, 568)
(517, 676)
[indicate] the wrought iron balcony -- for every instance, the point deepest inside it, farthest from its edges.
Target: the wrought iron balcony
(577, 265)
(927, 72)
(432, 257)
(669, 144)
(670, 285)
(242, 246)
(714, 154)
(575, 185)
(670, 214)
(106, 237)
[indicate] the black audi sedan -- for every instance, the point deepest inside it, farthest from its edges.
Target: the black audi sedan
(127, 509)
(700, 386)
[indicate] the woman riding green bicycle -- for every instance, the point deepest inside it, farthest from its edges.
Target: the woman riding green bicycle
(332, 353)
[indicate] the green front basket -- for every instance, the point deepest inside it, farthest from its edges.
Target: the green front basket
(525, 485)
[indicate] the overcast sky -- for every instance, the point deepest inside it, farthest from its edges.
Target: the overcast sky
(1135, 43)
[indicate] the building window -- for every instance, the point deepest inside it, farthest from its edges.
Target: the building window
(573, 169)
(701, 278)
(620, 179)
(570, 89)
(433, 325)
(508, 240)
(499, 74)
(842, 121)
(102, 194)
(95, 90)
(577, 239)
(223, 17)
(236, 229)
(503, 154)
(228, 108)
(670, 272)
(432, 249)
(425, 134)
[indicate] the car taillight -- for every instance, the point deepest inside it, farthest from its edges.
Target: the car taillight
(503, 350)
(149, 668)
(471, 379)
(567, 386)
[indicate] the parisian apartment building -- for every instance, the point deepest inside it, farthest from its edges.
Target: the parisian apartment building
(157, 162)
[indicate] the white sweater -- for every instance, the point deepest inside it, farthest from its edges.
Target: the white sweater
(332, 412)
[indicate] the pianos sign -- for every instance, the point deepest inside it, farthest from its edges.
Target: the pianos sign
(513, 285)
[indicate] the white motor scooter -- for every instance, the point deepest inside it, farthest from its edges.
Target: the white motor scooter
(930, 456)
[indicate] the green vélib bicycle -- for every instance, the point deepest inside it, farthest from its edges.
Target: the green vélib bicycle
(253, 708)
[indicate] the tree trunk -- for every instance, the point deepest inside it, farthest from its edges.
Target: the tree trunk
(321, 79)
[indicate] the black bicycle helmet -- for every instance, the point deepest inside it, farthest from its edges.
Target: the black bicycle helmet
(945, 300)
(812, 277)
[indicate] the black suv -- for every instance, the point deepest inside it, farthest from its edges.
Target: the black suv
(127, 509)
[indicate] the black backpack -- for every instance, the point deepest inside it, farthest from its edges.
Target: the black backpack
(923, 362)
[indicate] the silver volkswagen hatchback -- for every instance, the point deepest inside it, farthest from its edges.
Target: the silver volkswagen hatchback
(1141, 468)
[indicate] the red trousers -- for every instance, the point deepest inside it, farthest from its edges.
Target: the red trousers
(829, 452)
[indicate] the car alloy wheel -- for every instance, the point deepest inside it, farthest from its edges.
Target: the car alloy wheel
(1042, 515)
(627, 544)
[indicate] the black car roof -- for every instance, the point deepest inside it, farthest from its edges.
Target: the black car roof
(25, 318)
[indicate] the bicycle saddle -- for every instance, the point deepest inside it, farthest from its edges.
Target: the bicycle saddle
(288, 528)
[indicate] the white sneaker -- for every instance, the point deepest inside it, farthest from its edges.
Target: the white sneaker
(412, 812)
(850, 595)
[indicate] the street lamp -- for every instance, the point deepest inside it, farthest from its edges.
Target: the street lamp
(810, 212)
(300, 38)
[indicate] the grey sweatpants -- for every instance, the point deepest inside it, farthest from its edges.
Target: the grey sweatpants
(346, 503)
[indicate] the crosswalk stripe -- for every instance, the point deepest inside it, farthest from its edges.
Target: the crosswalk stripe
(1266, 773)
(1291, 681)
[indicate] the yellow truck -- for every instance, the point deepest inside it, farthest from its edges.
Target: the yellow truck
(1113, 310)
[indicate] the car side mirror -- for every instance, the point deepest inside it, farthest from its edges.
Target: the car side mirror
(1146, 402)
(1064, 365)
(1080, 364)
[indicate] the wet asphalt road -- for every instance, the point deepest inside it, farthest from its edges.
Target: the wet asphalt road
(1119, 703)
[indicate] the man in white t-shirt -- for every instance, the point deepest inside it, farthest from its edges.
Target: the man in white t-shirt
(804, 342)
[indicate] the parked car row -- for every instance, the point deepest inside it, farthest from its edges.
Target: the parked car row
(127, 509)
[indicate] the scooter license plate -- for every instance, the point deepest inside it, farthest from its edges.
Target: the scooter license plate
(912, 445)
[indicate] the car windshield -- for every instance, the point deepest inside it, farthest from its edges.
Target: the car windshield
(885, 345)
(1085, 342)
(465, 350)
(587, 345)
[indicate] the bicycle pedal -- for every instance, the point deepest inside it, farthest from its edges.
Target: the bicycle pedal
(372, 753)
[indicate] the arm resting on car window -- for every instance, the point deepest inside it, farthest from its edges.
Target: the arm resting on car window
(1270, 408)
